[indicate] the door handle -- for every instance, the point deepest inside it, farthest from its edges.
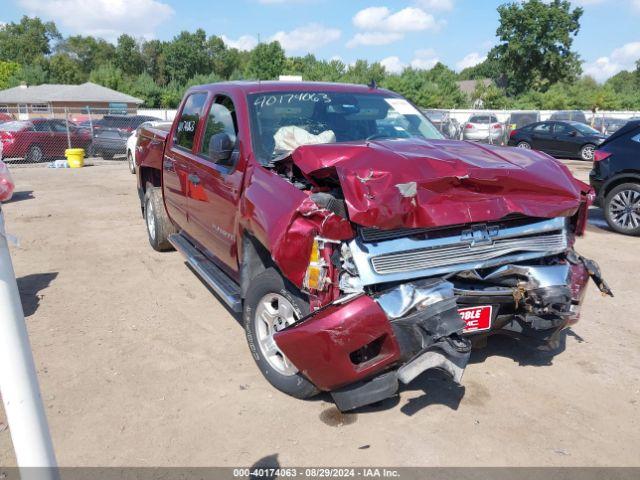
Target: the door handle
(194, 179)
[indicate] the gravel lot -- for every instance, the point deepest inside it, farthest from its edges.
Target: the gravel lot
(140, 364)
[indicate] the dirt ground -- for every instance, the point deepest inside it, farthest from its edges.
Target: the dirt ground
(141, 365)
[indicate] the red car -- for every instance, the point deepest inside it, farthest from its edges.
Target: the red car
(39, 139)
(361, 247)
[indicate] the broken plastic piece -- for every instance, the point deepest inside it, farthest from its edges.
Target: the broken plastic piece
(448, 355)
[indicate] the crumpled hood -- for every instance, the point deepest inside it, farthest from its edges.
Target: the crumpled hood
(426, 183)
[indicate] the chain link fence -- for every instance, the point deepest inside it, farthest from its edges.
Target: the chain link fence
(495, 126)
(40, 134)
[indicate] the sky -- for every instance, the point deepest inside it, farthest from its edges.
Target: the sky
(398, 33)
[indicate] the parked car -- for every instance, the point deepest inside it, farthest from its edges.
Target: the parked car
(447, 126)
(483, 128)
(5, 117)
(39, 139)
(560, 139)
(361, 255)
(616, 179)
(133, 140)
(570, 116)
(110, 134)
(608, 125)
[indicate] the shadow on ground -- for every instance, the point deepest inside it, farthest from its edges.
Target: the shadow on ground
(438, 389)
(30, 287)
(597, 222)
(20, 196)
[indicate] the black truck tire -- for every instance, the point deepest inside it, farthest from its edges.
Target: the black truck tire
(159, 227)
(268, 293)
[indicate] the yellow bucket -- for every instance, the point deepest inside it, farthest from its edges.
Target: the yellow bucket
(75, 157)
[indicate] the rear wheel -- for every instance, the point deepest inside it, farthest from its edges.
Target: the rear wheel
(587, 152)
(271, 305)
(35, 154)
(159, 227)
(524, 145)
(622, 209)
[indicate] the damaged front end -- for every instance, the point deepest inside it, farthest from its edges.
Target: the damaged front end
(391, 302)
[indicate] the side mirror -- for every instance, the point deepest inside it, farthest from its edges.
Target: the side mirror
(220, 148)
(573, 133)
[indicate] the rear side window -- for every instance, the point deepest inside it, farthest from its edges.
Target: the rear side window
(479, 119)
(636, 138)
(42, 127)
(189, 119)
(543, 128)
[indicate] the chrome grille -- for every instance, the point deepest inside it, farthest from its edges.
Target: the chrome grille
(462, 254)
(454, 250)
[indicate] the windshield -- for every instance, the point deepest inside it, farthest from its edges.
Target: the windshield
(283, 121)
(584, 129)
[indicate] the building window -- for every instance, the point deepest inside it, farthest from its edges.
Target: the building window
(40, 108)
(4, 108)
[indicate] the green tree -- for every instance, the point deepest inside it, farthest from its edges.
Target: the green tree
(63, 69)
(435, 88)
(108, 76)
(362, 72)
(266, 61)
(88, 51)
(147, 89)
(535, 44)
(128, 56)
(8, 70)
(26, 41)
(187, 55)
(155, 60)
(490, 68)
(491, 96)
(35, 73)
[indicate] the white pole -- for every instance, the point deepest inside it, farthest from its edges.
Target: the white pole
(18, 380)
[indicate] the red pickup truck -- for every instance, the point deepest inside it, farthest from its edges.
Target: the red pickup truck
(361, 247)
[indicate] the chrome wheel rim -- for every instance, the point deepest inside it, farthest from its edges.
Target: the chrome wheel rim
(524, 145)
(587, 153)
(273, 313)
(624, 209)
(151, 223)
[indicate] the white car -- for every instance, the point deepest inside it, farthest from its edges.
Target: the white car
(133, 140)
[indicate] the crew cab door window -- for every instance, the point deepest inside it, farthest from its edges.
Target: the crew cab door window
(221, 119)
(214, 200)
(187, 127)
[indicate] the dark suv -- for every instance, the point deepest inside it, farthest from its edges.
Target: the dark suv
(616, 179)
(111, 133)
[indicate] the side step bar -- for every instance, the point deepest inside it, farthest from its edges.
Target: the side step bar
(219, 281)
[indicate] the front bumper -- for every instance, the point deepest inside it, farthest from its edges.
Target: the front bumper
(359, 348)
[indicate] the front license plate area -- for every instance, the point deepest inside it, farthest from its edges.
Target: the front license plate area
(477, 319)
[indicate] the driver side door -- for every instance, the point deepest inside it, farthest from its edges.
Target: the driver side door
(566, 139)
(214, 194)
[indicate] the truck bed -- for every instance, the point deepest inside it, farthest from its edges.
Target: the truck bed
(151, 144)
